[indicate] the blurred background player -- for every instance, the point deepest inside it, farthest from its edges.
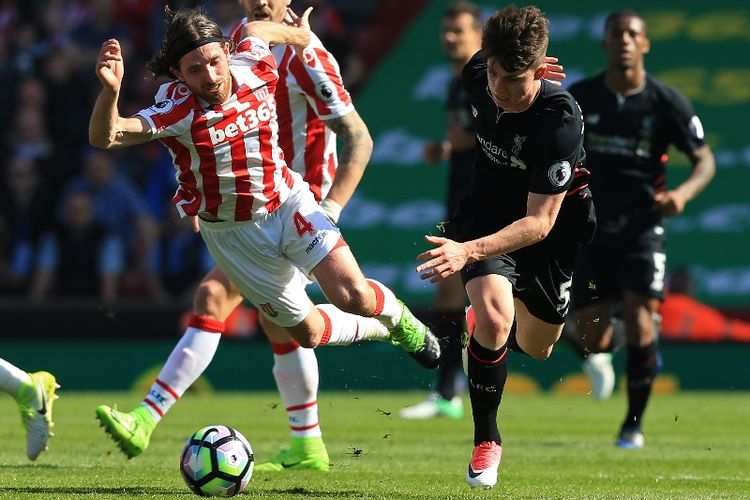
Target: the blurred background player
(312, 107)
(35, 395)
(461, 37)
(631, 119)
(527, 212)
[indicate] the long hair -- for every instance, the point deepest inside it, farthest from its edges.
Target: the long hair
(186, 29)
(518, 38)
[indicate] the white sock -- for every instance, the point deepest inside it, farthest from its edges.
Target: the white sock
(296, 372)
(388, 310)
(11, 378)
(343, 328)
(188, 360)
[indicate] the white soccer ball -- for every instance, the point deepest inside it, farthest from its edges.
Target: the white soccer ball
(217, 461)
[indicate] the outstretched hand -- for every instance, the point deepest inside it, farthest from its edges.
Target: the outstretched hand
(554, 72)
(292, 19)
(109, 65)
(302, 22)
(440, 262)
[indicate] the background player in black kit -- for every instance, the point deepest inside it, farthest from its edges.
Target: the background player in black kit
(631, 119)
(462, 37)
(527, 211)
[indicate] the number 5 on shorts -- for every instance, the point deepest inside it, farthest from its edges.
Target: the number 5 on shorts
(564, 295)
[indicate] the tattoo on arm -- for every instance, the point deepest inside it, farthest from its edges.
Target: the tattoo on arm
(357, 144)
(355, 154)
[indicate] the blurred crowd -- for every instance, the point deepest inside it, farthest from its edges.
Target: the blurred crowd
(81, 222)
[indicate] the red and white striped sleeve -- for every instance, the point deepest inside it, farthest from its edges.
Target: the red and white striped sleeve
(255, 53)
(319, 78)
(236, 32)
(172, 113)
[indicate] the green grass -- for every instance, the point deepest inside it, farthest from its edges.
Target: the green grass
(554, 448)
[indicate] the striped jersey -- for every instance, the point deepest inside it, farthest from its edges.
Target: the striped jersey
(227, 156)
(308, 92)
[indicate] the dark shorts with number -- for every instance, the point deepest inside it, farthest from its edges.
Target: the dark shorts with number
(540, 274)
(613, 263)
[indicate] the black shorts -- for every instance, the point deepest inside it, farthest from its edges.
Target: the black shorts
(611, 264)
(540, 274)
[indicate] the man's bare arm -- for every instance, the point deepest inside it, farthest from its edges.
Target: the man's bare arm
(355, 154)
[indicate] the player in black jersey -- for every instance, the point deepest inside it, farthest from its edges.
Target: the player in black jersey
(631, 119)
(462, 37)
(527, 211)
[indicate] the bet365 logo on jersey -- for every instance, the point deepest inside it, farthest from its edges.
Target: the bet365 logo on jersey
(245, 121)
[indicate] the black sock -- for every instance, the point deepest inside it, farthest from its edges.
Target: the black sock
(487, 373)
(641, 368)
(449, 328)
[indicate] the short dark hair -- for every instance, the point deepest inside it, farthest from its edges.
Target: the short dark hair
(457, 8)
(618, 14)
(185, 30)
(518, 38)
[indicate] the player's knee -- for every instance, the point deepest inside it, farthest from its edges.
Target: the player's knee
(309, 342)
(353, 299)
(210, 299)
(495, 326)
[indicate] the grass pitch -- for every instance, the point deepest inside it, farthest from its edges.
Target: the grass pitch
(555, 447)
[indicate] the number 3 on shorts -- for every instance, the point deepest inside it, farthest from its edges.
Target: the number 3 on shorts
(302, 225)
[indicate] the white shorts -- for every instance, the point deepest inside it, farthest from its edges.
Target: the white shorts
(271, 258)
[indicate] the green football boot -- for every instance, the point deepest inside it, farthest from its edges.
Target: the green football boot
(416, 339)
(304, 453)
(35, 401)
(130, 431)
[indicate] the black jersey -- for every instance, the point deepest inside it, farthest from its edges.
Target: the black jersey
(626, 141)
(539, 150)
(458, 110)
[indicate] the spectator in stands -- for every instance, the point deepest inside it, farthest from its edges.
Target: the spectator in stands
(68, 119)
(29, 138)
(24, 214)
(79, 257)
(120, 208)
(100, 25)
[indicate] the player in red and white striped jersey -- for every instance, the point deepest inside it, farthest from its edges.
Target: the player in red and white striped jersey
(310, 94)
(258, 218)
(227, 155)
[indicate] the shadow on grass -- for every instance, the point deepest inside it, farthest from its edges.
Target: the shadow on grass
(127, 492)
(312, 492)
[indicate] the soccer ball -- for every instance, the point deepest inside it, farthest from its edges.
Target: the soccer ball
(217, 461)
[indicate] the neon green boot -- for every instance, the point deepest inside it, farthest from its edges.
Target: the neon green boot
(130, 431)
(304, 453)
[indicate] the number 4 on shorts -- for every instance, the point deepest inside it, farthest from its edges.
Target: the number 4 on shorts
(302, 225)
